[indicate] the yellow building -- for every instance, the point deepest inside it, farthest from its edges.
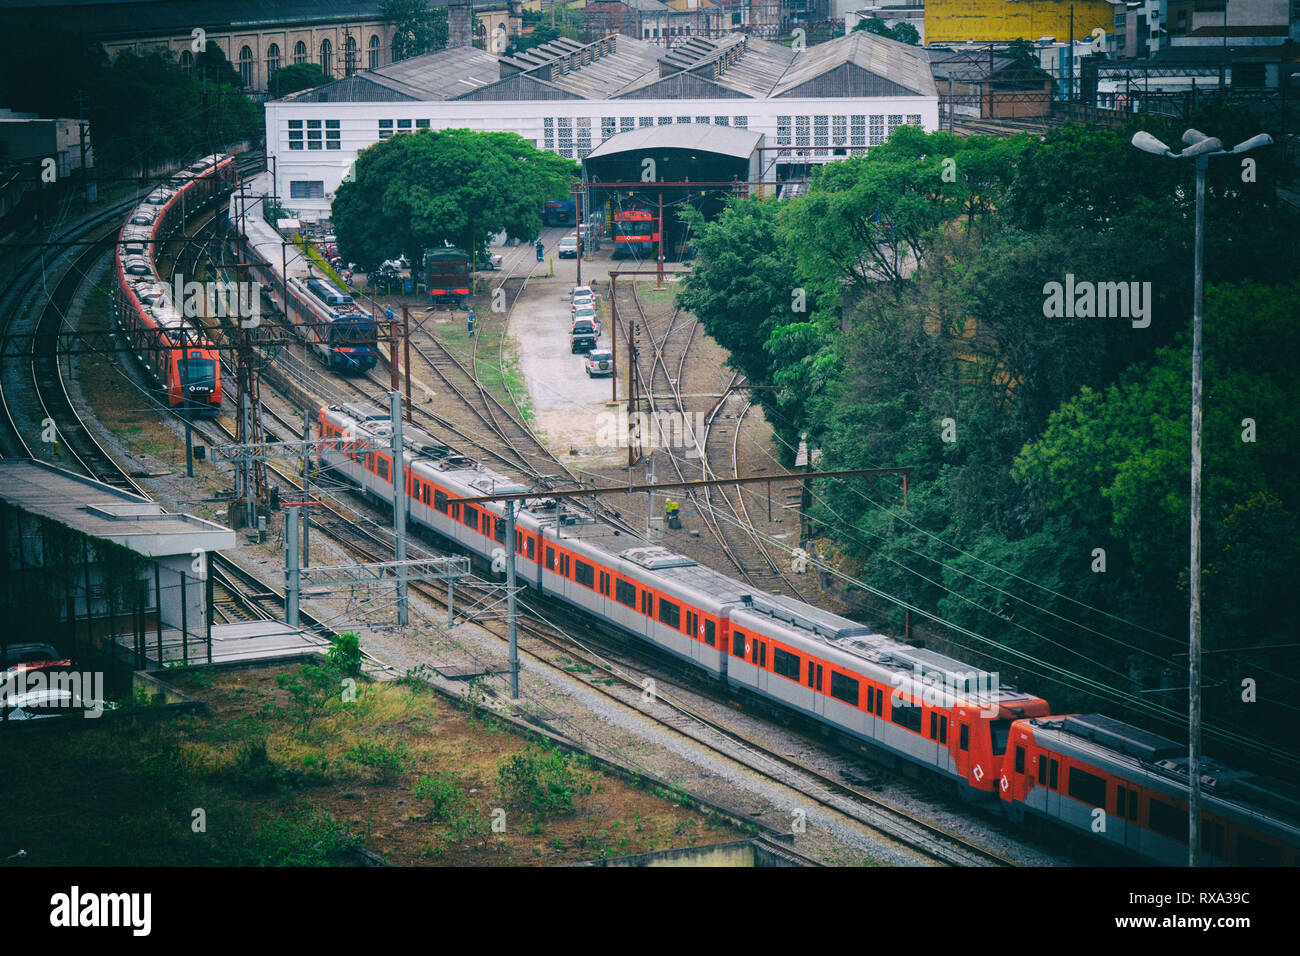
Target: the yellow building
(956, 21)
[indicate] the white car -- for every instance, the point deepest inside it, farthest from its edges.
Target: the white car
(599, 362)
(582, 302)
(580, 290)
(569, 246)
(587, 312)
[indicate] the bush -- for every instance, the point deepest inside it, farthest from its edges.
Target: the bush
(345, 654)
(542, 780)
(448, 804)
(386, 763)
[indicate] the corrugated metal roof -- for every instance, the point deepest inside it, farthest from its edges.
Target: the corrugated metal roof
(685, 86)
(443, 75)
(726, 140)
(520, 87)
(906, 66)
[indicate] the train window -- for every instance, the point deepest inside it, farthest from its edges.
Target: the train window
(550, 559)
(871, 697)
(455, 510)
(1000, 730)
(737, 644)
(670, 613)
(532, 556)
(934, 726)
(1020, 760)
(647, 603)
(906, 715)
(425, 486)
(1169, 821)
(710, 633)
(471, 517)
(625, 593)
(943, 728)
(963, 737)
(692, 622)
(604, 583)
(1042, 771)
(787, 665)
(1088, 787)
(383, 467)
(844, 688)
(585, 574)
(564, 565)
(498, 530)
(1053, 771)
(762, 654)
(880, 702)
(819, 677)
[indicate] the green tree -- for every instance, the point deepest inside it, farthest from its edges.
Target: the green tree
(295, 77)
(416, 28)
(414, 192)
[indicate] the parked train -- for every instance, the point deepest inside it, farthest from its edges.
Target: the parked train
(992, 740)
(175, 350)
(338, 332)
(636, 234)
(447, 275)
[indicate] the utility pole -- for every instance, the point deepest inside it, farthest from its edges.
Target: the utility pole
(1194, 571)
(399, 502)
(306, 488)
(512, 610)
(577, 214)
(659, 282)
(406, 358)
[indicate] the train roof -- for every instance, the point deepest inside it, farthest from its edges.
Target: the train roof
(1103, 738)
(446, 252)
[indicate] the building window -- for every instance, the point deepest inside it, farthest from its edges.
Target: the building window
(332, 134)
(404, 126)
(683, 119)
(373, 52)
(802, 135)
(914, 119)
(741, 122)
(246, 66)
(584, 136)
(548, 133)
(299, 52)
(295, 134)
(821, 130)
(645, 121)
(606, 127)
(422, 124)
(313, 134)
(349, 56)
(565, 136)
(187, 61)
(895, 121)
(665, 121)
(385, 129)
(327, 58)
(784, 136)
(626, 124)
(722, 121)
(306, 189)
(877, 130)
(272, 61)
(839, 130)
(702, 119)
(858, 130)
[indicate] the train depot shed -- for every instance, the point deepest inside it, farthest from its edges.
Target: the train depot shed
(110, 580)
(669, 167)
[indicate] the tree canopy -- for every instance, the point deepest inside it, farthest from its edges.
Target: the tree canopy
(413, 192)
(416, 28)
(295, 77)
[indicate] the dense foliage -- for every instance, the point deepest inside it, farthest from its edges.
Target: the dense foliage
(900, 307)
(413, 192)
(416, 28)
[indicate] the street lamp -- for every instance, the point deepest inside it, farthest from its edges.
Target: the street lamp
(1199, 148)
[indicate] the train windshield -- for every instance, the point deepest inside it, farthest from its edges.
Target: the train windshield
(1001, 731)
(199, 371)
(636, 227)
(352, 333)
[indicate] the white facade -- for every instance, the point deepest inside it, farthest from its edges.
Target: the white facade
(309, 167)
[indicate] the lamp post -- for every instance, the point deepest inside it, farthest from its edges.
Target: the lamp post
(1199, 148)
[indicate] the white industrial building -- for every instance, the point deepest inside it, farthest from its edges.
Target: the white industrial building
(814, 106)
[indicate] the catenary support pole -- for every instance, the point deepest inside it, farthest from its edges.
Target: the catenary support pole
(398, 476)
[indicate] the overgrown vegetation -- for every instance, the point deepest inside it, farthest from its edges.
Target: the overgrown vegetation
(900, 307)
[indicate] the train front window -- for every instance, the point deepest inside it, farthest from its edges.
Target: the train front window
(199, 372)
(352, 333)
(1001, 733)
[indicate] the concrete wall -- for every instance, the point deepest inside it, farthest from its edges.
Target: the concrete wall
(955, 21)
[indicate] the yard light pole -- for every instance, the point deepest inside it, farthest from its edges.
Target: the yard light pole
(1199, 148)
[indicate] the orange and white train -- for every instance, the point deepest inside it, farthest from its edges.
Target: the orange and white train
(913, 704)
(175, 351)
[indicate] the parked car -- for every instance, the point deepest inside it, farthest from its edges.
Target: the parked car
(587, 312)
(583, 335)
(494, 261)
(28, 653)
(600, 362)
(569, 246)
(578, 290)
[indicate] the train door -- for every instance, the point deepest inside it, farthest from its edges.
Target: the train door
(1126, 810)
(816, 682)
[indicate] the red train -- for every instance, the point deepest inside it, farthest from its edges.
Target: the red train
(1104, 779)
(175, 350)
(636, 234)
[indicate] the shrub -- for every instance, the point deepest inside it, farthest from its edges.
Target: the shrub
(542, 780)
(386, 763)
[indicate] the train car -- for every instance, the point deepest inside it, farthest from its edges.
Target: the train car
(446, 275)
(560, 212)
(636, 234)
(341, 335)
(177, 353)
(1128, 788)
